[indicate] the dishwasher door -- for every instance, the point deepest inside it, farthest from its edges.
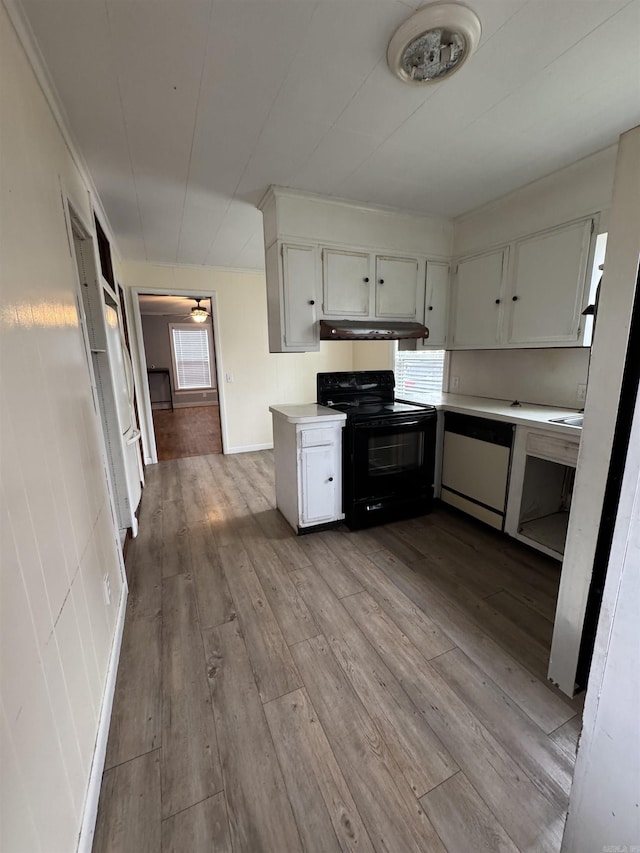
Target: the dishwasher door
(475, 466)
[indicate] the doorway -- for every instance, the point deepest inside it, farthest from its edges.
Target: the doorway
(178, 334)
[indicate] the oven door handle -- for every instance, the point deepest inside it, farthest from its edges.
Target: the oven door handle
(391, 423)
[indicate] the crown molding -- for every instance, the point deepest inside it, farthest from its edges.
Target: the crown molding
(29, 42)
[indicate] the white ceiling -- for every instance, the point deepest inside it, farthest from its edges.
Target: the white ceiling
(174, 306)
(186, 110)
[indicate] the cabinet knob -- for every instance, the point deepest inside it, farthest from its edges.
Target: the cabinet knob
(430, 307)
(312, 302)
(381, 281)
(514, 298)
(331, 479)
(366, 280)
(497, 302)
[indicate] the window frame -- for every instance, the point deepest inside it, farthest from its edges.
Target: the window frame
(193, 327)
(413, 353)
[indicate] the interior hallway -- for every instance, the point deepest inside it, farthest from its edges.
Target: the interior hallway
(188, 431)
(378, 690)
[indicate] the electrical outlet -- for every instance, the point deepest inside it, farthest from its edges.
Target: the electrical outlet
(229, 377)
(581, 393)
(106, 589)
(455, 383)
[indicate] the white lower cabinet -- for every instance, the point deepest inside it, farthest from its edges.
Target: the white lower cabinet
(308, 467)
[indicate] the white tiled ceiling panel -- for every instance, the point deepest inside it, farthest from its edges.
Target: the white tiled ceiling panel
(187, 110)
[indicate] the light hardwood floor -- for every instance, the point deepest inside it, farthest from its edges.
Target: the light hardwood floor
(382, 690)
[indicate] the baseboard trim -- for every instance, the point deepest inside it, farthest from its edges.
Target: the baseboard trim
(90, 813)
(249, 448)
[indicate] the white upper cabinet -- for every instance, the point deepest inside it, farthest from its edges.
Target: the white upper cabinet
(397, 287)
(346, 283)
(478, 288)
(292, 287)
(547, 282)
(435, 305)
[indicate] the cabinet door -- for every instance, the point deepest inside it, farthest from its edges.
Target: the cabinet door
(435, 307)
(478, 300)
(547, 285)
(346, 283)
(397, 287)
(299, 276)
(319, 479)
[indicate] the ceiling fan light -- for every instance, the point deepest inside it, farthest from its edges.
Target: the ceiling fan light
(199, 315)
(433, 43)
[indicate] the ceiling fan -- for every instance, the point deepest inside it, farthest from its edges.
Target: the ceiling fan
(198, 313)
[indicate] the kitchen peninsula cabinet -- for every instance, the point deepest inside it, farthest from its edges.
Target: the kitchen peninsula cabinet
(307, 445)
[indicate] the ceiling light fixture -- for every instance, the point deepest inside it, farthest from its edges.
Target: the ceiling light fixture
(433, 43)
(198, 314)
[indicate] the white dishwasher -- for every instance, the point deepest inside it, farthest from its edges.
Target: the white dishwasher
(475, 466)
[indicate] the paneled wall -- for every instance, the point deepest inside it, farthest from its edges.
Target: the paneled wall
(57, 538)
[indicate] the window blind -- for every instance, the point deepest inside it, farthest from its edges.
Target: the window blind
(192, 358)
(418, 373)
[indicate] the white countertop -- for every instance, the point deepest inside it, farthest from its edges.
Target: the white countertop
(527, 414)
(307, 413)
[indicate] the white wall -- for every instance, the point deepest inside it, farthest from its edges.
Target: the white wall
(545, 376)
(603, 810)
(260, 378)
(373, 355)
(605, 379)
(57, 536)
(583, 188)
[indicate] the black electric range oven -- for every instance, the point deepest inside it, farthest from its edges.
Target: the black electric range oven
(388, 447)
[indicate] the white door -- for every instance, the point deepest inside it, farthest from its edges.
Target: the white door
(346, 282)
(435, 306)
(299, 271)
(478, 290)
(397, 287)
(548, 281)
(319, 479)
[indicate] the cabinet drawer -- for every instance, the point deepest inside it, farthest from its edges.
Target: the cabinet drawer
(314, 437)
(553, 447)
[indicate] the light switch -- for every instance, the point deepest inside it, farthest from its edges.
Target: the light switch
(229, 377)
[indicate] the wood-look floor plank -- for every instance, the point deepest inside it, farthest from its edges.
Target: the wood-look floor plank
(568, 735)
(544, 762)
(129, 809)
(545, 707)
(213, 597)
(388, 538)
(147, 546)
(327, 817)
(176, 547)
(534, 625)
(170, 480)
(528, 817)
(270, 658)
(190, 761)
(136, 715)
(463, 820)
(194, 499)
(422, 758)
(292, 614)
(331, 568)
(393, 818)
(422, 631)
(260, 815)
(202, 828)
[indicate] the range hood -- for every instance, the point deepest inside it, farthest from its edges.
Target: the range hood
(371, 330)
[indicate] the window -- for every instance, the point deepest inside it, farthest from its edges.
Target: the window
(418, 373)
(191, 351)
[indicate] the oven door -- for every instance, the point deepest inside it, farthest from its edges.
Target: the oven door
(393, 458)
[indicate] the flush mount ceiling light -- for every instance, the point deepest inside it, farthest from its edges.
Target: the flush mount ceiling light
(198, 314)
(433, 43)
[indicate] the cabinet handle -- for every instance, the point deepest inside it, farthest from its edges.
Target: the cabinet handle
(514, 298)
(430, 307)
(381, 281)
(366, 280)
(331, 479)
(497, 302)
(312, 302)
